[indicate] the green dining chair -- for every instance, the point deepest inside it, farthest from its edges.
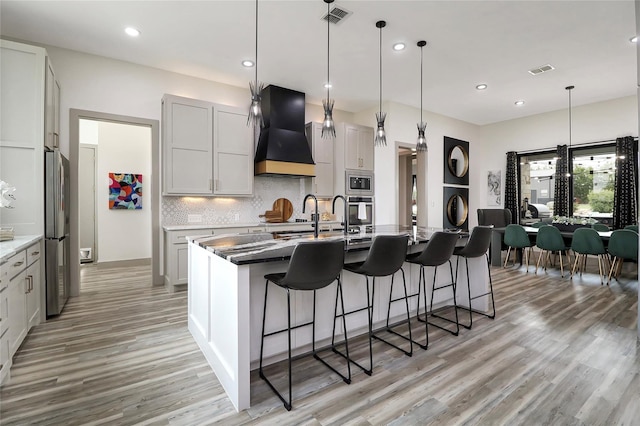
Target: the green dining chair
(601, 227)
(633, 228)
(623, 245)
(585, 242)
(516, 237)
(549, 240)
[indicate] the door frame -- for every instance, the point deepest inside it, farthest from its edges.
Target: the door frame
(75, 115)
(95, 198)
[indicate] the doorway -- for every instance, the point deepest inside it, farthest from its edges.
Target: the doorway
(151, 189)
(412, 191)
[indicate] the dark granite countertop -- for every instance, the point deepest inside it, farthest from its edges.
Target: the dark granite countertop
(242, 249)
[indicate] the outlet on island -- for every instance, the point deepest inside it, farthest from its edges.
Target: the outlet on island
(194, 218)
(236, 217)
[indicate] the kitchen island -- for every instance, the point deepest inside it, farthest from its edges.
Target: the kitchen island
(226, 296)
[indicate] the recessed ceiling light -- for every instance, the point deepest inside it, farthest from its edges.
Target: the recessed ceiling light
(248, 63)
(328, 86)
(634, 39)
(481, 86)
(519, 103)
(399, 46)
(132, 31)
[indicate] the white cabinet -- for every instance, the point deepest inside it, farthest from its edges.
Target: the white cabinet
(175, 253)
(22, 133)
(322, 149)
(34, 285)
(358, 147)
(52, 108)
(17, 313)
(207, 148)
(4, 322)
(187, 150)
(233, 152)
(20, 301)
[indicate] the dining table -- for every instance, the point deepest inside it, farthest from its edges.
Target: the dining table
(495, 250)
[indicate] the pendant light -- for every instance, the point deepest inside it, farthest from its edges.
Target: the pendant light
(380, 138)
(569, 89)
(421, 145)
(328, 126)
(255, 110)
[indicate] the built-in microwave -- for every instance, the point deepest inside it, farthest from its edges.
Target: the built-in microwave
(358, 182)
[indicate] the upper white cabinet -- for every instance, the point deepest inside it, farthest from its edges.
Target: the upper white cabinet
(52, 108)
(187, 135)
(233, 151)
(358, 147)
(23, 103)
(322, 149)
(207, 148)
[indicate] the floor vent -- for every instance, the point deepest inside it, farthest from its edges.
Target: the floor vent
(336, 15)
(541, 69)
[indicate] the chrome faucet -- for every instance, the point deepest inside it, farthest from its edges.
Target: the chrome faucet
(345, 225)
(313, 216)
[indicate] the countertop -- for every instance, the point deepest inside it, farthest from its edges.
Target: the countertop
(20, 242)
(243, 225)
(260, 247)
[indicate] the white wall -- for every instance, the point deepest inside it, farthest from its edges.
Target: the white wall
(589, 123)
(401, 127)
(123, 234)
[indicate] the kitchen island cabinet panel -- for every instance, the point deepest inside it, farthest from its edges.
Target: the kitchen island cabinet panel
(229, 274)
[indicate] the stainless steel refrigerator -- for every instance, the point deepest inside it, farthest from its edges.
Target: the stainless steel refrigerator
(56, 230)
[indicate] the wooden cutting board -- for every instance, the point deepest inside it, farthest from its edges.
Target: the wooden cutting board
(285, 208)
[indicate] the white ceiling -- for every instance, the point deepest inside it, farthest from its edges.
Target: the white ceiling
(469, 42)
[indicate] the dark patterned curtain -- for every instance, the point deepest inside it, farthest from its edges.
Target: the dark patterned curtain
(625, 199)
(561, 195)
(511, 187)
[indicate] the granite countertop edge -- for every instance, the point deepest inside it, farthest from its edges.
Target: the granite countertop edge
(261, 247)
(20, 242)
(243, 225)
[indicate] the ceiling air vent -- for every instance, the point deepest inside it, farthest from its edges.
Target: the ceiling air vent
(336, 15)
(541, 69)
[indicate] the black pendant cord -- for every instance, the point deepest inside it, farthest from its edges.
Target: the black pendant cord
(328, 29)
(421, 93)
(256, 45)
(381, 68)
(569, 88)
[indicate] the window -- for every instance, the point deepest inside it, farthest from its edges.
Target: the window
(537, 181)
(593, 177)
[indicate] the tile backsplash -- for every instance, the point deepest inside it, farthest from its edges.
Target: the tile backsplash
(230, 210)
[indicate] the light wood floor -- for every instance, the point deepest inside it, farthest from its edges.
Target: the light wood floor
(559, 352)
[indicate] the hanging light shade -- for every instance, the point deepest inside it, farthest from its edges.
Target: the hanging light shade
(569, 89)
(255, 110)
(328, 126)
(421, 144)
(380, 138)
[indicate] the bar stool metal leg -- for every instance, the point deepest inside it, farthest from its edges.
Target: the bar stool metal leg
(389, 327)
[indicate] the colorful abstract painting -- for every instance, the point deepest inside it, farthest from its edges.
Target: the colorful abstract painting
(125, 191)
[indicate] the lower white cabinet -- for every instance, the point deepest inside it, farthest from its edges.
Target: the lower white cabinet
(20, 301)
(176, 253)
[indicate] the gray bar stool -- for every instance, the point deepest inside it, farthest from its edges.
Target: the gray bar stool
(313, 265)
(477, 246)
(438, 251)
(386, 256)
